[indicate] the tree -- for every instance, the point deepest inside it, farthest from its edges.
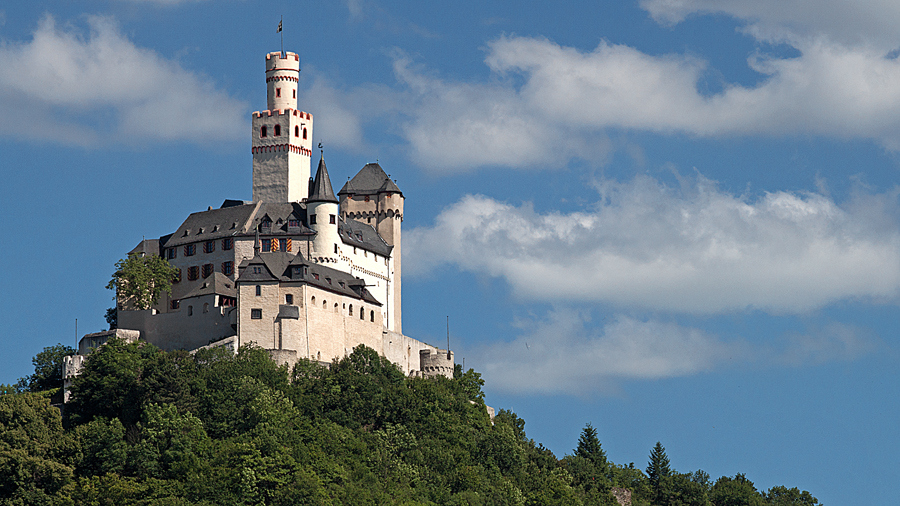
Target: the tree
(139, 280)
(112, 318)
(589, 446)
(783, 496)
(737, 491)
(48, 369)
(657, 470)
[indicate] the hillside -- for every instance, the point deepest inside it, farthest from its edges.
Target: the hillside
(153, 427)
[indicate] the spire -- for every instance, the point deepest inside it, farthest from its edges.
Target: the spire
(256, 243)
(321, 190)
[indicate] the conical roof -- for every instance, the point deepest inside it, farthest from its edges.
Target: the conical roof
(321, 188)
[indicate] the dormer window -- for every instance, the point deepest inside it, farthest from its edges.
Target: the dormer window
(257, 269)
(263, 131)
(294, 223)
(266, 223)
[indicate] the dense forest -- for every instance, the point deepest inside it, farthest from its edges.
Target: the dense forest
(216, 428)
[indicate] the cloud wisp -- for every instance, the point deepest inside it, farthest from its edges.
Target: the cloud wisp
(102, 90)
(567, 352)
(694, 249)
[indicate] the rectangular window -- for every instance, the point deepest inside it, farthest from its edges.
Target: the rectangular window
(294, 223)
(207, 270)
(335, 249)
(278, 92)
(193, 273)
(312, 219)
(177, 276)
(267, 244)
(332, 219)
(209, 246)
(283, 245)
(174, 304)
(256, 314)
(190, 250)
(227, 243)
(171, 253)
(228, 268)
(289, 299)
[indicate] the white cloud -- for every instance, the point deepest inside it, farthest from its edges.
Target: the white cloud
(548, 103)
(566, 352)
(696, 249)
(340, 114)
(851, 22)
(103, 89)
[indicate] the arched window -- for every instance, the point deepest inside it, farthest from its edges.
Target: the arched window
(324, 304)
(296, 131)
(371, 316)
(190, 310)
(318, 355)
(206, 307)
(351, 309)
(263, 131)
(313, 300)
(362, 314)
(335, 307)
(277, 130)
(304, 133)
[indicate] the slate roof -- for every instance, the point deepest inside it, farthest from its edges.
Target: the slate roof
(370, 180)
(287, 267)
(239, 220)
(217, 283)
(146, 247)
(321, 190)
(362, 235)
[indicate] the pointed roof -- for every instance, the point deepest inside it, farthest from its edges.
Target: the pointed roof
(322, 190)
(370, 180)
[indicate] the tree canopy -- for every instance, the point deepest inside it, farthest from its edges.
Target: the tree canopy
(153, 427)
(48, 369)
(139, 280)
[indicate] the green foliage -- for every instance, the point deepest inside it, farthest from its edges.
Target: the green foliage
(139, 280)
(112, 317)
(152, 427)
(737, 491)
(48, 369)
(783, 496)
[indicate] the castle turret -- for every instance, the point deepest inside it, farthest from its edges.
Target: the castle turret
(322, 214)
(281, 136)
(372, 197)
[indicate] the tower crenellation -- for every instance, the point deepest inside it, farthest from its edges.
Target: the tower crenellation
(281, 136)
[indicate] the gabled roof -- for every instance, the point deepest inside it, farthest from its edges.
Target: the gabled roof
(287, 267)
(370, 180)
(322, 191)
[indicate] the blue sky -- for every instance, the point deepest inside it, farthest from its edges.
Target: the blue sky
(675, 220)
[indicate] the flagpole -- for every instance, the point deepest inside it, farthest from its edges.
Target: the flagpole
(282, 37)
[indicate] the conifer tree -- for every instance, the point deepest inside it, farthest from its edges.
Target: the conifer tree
(657, 470)
(589, 446)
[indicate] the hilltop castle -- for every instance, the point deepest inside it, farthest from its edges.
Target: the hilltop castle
(300, 271)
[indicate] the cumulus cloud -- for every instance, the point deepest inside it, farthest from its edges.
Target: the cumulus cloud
(851, 22)
(102, 89)
(567, 352)
(548, 103)
(693, 249)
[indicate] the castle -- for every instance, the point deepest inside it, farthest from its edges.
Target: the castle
(299, 270)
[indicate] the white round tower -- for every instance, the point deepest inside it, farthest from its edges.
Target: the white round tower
(322, 214)
(282, 75)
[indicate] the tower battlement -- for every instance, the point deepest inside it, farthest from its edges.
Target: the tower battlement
(280, 112)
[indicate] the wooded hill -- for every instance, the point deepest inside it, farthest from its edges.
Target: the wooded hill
(214, 428)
